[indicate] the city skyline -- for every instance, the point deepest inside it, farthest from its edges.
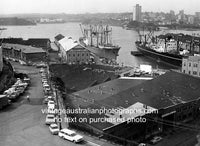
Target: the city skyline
(95, 6)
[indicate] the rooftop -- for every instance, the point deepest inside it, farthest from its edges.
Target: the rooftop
(167, 90)
(78, 77)
(59, 37)
(23, 48)
(194, 58)
(69, 43)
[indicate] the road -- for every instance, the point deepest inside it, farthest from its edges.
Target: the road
(23, 124)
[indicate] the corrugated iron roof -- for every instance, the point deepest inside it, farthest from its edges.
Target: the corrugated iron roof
(23, 48)
(68, 43)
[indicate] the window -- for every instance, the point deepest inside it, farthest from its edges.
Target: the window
(78, 54)
(189, 64)
(82, 54)
(183, 71)
(195, 65)
(184, 64)
(194, 73)
(189, 72)
(69, 55)
(74, 55)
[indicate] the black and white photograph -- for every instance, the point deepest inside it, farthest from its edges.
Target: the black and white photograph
(99, 73)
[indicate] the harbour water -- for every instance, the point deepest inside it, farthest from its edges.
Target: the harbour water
(122, 37)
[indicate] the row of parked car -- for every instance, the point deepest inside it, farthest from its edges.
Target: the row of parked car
(17, 89)
(52, 115)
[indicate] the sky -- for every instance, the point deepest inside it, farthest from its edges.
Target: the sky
(96, 6)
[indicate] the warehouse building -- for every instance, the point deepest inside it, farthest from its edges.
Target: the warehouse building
(43, 43)
(159, 105)
(73, 52)
(23, 52)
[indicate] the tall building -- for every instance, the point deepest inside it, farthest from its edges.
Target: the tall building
(172, 13)
(181, 15)
(197, 14)
(191, 19)
(137, 12)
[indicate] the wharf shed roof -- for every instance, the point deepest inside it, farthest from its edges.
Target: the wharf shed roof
(23, 48)
(107, 89)
(69, 43)
(38, 42)
(169, 89)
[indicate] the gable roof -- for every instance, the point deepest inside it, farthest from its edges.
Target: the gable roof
(69, 43)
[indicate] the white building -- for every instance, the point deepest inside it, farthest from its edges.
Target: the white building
(169, 46)
(191, 65)
(191, 19)
(73, 52)
(137, 12)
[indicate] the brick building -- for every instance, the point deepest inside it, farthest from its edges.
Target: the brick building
(23, 52)
(73, 52)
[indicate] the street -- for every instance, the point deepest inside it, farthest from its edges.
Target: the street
(23, 124)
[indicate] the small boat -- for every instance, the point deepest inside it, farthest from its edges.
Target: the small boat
(136, 53)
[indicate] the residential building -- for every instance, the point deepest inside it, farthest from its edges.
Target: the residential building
(191, 65)
(137, 12)
(73, 52)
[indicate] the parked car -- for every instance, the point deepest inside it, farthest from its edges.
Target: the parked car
(70, 135)
(142, 144)
(156, 139)
(3, 101)
(54, 128)
(27, 80)
(42, 70)
(50, 118)
(41, 65)
(51, 104)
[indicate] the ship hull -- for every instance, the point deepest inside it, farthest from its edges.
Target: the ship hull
(104, 53)
(171, 59)
(114, 50)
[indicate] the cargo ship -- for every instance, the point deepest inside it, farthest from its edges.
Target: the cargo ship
(169, 48)
(98, 38)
